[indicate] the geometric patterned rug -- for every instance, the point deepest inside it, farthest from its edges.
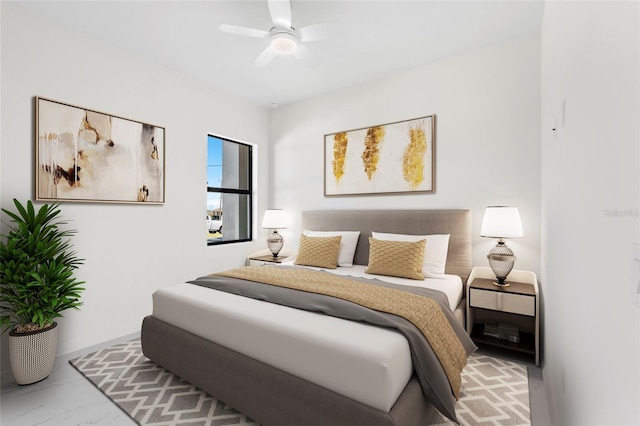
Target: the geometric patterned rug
(494, 391)
(150, 394)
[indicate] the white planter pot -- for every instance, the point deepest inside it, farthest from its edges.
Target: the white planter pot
(32, 354)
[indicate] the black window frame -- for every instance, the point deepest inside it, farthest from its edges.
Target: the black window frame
(248, 192)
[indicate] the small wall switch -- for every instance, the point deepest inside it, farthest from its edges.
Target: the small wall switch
(635, 276)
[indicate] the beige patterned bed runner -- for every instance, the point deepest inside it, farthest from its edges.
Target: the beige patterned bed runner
(421, 311)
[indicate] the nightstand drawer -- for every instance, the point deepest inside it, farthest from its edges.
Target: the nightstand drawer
(497, 301)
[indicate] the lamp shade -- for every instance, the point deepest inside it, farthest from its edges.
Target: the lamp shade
(501, 222)
(274, 219)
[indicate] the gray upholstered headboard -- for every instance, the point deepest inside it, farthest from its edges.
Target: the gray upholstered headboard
(457, 223)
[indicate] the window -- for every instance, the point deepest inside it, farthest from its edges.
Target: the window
(229, 202)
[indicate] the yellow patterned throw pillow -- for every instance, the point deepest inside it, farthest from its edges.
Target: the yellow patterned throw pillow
(396, 258)
(318, 251)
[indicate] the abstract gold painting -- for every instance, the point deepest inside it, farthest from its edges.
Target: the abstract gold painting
(89, 156)
(388, 158)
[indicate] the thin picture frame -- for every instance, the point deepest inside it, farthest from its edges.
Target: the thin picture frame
(84, 155)
(390, 158)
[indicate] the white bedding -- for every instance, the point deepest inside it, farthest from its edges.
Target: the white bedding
(369, 364)
(366, 363)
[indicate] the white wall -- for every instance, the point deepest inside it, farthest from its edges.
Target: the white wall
(590, 201)
(487, 105)
(130, 250)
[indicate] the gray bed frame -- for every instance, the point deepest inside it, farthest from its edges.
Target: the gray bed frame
(273, 397)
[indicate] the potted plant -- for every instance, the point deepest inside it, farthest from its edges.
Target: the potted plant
(36, 285)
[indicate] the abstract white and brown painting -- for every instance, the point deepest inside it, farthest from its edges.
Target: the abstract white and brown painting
(85, 155)
(388, 158)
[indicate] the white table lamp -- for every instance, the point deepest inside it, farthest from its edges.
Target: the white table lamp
(274, 219)
(501, 222)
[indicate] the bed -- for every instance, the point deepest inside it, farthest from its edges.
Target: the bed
(287, 393)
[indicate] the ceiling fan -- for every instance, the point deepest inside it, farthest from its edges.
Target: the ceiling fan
(285, 39)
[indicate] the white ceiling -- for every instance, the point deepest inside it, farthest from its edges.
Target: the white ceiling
(379, 38)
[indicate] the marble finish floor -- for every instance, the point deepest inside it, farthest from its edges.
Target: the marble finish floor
(66, 398)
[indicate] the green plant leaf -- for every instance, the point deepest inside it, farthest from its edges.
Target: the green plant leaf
(36, 267)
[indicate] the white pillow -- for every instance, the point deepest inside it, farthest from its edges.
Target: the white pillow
(347, 244)
(435, 252)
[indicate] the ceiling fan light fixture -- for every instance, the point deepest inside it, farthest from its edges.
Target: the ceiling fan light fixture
(284, 43)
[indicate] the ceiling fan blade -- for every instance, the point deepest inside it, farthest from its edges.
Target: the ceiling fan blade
(303, 54)
(280, 11)
(243, 31)
(265, 57)
(320, 31)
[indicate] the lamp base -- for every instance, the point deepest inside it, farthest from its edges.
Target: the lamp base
(275, 243)
(501, 261)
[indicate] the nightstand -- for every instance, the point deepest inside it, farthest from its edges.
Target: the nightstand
(267, 259)
(262, 257)
(516, 305)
